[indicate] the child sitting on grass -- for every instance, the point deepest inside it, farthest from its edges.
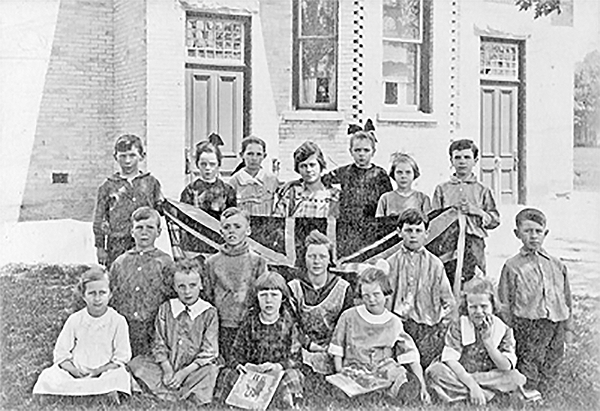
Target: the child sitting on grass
(92, 348)
(267, 341)
(230, 274)
(478, 360)
(534, 287)
(369, 337)
(255, 187)
(421, 293)
(119, 196)
(141, 280)
(183, 362)
(404, 171)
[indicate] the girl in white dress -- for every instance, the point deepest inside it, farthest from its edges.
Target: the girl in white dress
(92, 348)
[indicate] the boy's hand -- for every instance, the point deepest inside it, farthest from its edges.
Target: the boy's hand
(167, 377)
(177, 379)
(470, 209)
(314, 347)
(77, 373)
(102, 256)
(477, 395)
(270, 367)
(424, 395)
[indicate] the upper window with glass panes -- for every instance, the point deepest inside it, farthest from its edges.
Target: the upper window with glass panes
(211, 40)
(402, 48)
(315, 54)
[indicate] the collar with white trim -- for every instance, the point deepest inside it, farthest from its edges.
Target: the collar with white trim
(372, 318)
(177, 307)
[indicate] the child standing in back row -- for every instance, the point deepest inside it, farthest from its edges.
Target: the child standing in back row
(535, 288)
(255, 187)
(464, 193)
(141, 280)
(404, 171)
(119, 196)
(362, 183)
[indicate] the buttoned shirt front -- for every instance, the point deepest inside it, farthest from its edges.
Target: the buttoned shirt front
(535, 285)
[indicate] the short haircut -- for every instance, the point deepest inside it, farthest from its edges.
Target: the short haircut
(270, 281)
(463, 144)
(126, 142)
(232, 211)
(253, 140)
(374, 275)
(145, 213)
(478, 285)
(412, 216)
(305, 151)
(531, 214)
(208, 147)
(315, 237)
(187, 266)
(363, 135)
(399, 158)
(95, 273)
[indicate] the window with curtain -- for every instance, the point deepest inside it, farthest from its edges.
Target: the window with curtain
(315, 54)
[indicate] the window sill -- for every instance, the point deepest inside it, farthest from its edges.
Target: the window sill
(313, 115)
(410, 117)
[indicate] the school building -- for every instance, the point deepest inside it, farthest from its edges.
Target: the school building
(77, 73)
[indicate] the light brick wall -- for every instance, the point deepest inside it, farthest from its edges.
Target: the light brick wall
(75, 125)
(130, 63)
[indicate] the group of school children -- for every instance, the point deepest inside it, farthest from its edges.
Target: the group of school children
(186, 331)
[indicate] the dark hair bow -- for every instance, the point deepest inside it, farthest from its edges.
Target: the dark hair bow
(353, 128)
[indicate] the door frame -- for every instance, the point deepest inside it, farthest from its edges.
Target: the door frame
(521, 112)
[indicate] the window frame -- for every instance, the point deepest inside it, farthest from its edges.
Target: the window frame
(297, 39)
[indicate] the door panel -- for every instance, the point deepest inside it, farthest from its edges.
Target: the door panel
(499, 141)
(214, 102)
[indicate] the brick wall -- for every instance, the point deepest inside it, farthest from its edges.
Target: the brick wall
(130, 64)
(75, 129)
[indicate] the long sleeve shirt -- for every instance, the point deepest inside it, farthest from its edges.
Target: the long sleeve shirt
(117, 199)
(186, 335)
(420, 288)
(214, 198)
(90, 342)
(453, 192)
(361, 189)
(141, 282)
(535, 285)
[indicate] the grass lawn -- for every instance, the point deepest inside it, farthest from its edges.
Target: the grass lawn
(586, 168)
(36, 300)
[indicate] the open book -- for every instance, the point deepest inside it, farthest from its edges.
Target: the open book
(254, 390)
(355, 382)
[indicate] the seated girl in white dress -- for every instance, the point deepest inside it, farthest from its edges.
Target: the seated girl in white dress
(92, 348)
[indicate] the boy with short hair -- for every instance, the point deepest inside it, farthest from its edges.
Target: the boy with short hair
(231, 273)
(119, 196)
(362, 183)
(421, 293)
(183, 361)
(141, 280)
(535, 289)
(471, 198)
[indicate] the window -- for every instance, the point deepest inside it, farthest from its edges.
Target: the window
(405, 70)
(214, 41)
(499, 60)
(315, 54)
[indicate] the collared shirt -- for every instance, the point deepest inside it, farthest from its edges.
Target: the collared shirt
(298, 201)
(451, 193)
(117, 199)
(255, 194)
(535, 285)
(463, 344)
(141, 282)
(186, 335)
(420, 288)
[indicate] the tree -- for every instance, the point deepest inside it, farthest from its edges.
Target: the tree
(586, 110)
(541, 7)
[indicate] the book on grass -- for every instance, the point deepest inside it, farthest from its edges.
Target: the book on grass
(253, 389)
(357, 382)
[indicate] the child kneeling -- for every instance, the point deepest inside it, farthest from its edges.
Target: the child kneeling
(185, 349)
(369, 337)
(478, 360)
(92, 348)
(267, 341)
